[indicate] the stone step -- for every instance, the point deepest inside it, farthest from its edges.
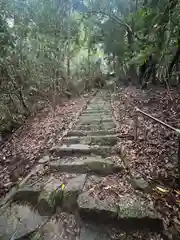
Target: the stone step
(96, 165)
(97, 115)
(91, 140)
(90, 133)
(96, 127)
(95, 121)
(19, 221)
(130, 213)
(99, 111)
(80, 149)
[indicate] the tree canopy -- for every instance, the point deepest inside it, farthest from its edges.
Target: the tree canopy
(54, 45)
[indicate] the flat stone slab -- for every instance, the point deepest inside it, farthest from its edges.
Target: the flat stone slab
(61, 226)
(99, 111)
(129, 212)
(80, 149)
(91, 140)
(96, 115)
(96, 164)
(88, 120)
(17, 221)
(91, 133)
(96, 127)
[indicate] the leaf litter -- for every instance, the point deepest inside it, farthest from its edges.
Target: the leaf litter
(35, 137)
(153, 155)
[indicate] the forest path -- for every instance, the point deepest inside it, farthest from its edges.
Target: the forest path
(81, 189)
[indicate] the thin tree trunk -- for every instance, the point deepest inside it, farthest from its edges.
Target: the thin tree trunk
(69, 40)
(174, 60)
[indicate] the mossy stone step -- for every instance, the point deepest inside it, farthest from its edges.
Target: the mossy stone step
(90, 133)
(97, 115)
(71, 192)
(91, 140)
(80, 149)
(96, 127)
(88, 120)
(96, 164)
(50, 197)
(99, 111)
(129, 213)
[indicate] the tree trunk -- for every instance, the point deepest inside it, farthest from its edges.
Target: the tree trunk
(132, 68)
(174, 61)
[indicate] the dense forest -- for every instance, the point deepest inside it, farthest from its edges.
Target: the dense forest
(82, 77)
(51, 49)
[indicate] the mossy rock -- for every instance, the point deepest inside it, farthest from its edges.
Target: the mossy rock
(50, 197)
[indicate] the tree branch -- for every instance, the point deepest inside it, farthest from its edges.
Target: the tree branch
(114, 18)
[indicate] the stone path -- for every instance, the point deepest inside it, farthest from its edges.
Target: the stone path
(75, 192)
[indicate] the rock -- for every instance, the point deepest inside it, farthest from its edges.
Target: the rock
(140, 184)
(18, 221)
(95, 209)
(44, 160)
(50, 197)
(71, 192)
(137, 213)
(61, 226)
(27, 194)
(96, 164)
(79, 149)
(129, 212)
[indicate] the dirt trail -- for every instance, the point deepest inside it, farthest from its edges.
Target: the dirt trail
(80, 189)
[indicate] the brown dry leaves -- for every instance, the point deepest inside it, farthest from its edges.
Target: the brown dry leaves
(38, 134)
(154, 154)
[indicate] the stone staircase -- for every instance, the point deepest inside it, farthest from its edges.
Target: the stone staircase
(80, 190)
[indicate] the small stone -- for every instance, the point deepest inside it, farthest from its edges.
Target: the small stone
(44, 160)
(140, 184)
